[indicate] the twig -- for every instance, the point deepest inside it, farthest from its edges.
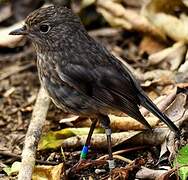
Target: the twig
(123, 159)
(33, 135)
(106, 32)
(10, 154)
(16, 70)
(123, 151)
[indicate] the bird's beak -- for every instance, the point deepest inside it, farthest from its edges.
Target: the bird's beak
(20, 31)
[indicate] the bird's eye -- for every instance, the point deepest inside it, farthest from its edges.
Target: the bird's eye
(44, 28)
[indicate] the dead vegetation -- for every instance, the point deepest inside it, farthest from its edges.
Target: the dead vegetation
(151, 39)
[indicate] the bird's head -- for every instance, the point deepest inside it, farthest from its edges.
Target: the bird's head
(47, 25)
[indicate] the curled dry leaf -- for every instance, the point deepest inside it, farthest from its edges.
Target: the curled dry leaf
(40, 172)
(5, 13)
(116, 15)
(184, 67)
(7, 40)
(128, 123)
(154, 138)
(69, 119)
(162, 102)
(177, 109)
(122, 123)
(173, 55)
(177, 113)
(166, 175)
(150, 45)
(166, 6)
(158, 76)
(146, 173)
(48, 172)
(156, 12)
(182, 74)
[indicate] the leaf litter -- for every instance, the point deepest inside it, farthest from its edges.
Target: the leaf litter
(156, 37)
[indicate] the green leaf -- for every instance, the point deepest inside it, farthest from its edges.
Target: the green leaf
(54, 139)
(13, 169)
(182, 160)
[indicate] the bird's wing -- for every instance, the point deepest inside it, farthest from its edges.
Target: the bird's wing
(106, 84)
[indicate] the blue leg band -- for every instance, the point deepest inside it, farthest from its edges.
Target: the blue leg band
(84, 152)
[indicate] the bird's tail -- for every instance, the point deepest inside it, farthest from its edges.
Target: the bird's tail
(149, 105)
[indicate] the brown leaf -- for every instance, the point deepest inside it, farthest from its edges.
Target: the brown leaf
(47, 172)
(146, 173)
(128, 123)
(173, 55)
(177, 109)
(160, 16)
(158, 76)
(150, 45)
(7, 40)
(116, 15)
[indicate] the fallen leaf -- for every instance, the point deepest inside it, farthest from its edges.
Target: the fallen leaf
(54, 139)
(173, 55)
(5, 12)
(182, 160)
(13, 169)
(47, 172)
(156, 12)
(7, 40)
(40, 172)
(116, 15)
(159, 77)
(177, 109)
(150, 45)
(155, 137)
(69, 119)
(146, 173)
(128, 123)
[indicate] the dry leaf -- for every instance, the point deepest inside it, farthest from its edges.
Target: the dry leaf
(166, 6)
(146, 173)
(176, 28)
(5, 13)
(150, 45)
(47, 172)
(158, 76)
(184, 67)
(54, 139)
(154, 138)
(182, 74)
(99, 140)
(162, 102)
(116, 15)
(122, 123)
(69, 119)
(173, 55)
(7, 40)
(177, 109)
(128, 123)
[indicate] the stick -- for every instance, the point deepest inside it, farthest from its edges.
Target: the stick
(33, 135)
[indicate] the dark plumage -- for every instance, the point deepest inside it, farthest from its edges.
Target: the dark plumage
(80, 75)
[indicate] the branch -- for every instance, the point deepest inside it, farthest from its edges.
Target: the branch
(33, 135)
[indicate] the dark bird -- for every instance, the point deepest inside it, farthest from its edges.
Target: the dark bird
(81, 76)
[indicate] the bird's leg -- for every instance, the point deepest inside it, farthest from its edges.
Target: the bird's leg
(85, 148)
(84, 152)
(105, 122)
